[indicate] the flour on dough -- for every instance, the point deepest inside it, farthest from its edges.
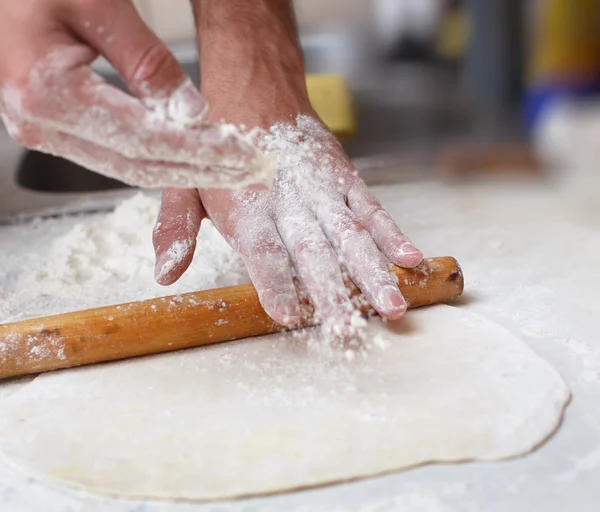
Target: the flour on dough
(267, 415)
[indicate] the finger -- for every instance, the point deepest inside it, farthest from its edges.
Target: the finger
(137, 135)
(85, 106)
(384, 231)
(175, 233)
(74, 100)
(365, 263)
(269, 268)
(143, 172)
(150, 71)
(138, 173)
(317, 267)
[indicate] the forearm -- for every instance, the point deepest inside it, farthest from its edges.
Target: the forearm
(250, 48)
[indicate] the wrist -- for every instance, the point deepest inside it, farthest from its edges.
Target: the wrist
(250, 55)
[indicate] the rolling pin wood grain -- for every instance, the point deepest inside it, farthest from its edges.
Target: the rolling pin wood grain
(182, 321)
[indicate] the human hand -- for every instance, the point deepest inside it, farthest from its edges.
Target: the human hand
(51, 100)
(317, 221)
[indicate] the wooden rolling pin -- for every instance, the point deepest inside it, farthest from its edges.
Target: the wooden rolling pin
(181, 321)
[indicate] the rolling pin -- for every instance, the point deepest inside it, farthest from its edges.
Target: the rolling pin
(182, 321)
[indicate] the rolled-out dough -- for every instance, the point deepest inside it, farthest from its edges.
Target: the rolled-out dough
(272, 414)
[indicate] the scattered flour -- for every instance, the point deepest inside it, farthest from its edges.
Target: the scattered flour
(108, 259)
(589, 462)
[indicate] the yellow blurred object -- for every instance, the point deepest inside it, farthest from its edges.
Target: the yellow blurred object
(332, 101)
(567, 44)
(453, 35)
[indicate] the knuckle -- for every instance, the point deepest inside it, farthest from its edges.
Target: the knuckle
(271, 257)
(375, 214)
(311, 246)
(155, 60)
(354, 241)
(349, 227)
(256, 236)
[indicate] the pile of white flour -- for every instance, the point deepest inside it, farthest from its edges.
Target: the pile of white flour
(108, 259)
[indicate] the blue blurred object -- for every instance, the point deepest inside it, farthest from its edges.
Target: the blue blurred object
(542, 96)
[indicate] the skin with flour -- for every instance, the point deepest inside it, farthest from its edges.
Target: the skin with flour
(319, 217)
(51, 99)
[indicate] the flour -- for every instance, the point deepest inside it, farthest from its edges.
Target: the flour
(109, 259)
(589, 462)
(176, 253)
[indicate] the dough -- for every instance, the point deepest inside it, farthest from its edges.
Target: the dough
(273, 414)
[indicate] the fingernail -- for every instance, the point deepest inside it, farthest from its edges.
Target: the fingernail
(408, 255)
(187, 105)
(391, 298)
(183, 105)
(287, 308)
(195, 107)
(408, 249)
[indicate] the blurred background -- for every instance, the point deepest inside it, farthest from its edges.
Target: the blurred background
(421, 73)
(422, 89)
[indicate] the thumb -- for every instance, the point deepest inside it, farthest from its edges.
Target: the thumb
(144, 63)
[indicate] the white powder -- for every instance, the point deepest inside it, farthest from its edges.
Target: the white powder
(176, 253)
(109, 259)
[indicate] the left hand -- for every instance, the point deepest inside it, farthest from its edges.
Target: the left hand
(318, 218)
(52, 100)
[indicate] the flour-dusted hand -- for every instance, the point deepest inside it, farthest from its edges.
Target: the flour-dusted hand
(52, 100)
(318, 220)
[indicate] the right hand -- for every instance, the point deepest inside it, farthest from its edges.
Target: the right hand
(51, 99)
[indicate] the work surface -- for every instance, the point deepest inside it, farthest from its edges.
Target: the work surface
(529, 260)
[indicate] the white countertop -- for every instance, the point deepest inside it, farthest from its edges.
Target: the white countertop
(529, 265)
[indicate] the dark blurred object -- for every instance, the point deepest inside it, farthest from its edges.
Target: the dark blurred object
(411, 49)
(47, 173)
(495, 57)
(444, 40)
